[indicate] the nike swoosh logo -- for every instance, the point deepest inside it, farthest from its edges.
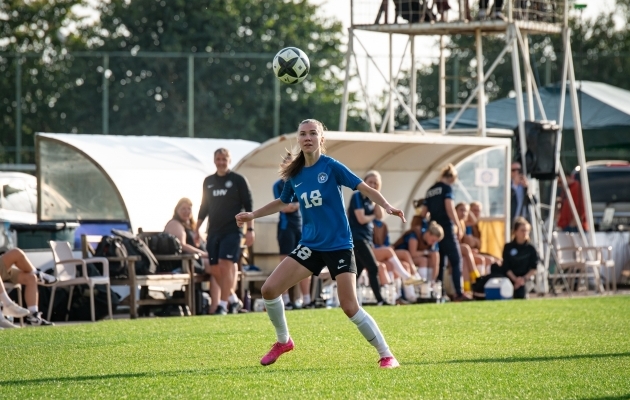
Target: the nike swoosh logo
(341, 266)
(298, 184)
(210, 186)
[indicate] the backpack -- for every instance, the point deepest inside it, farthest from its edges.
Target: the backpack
(165, 244)
(147, 264)
(112, 246)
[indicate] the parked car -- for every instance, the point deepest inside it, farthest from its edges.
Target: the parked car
(609, 183)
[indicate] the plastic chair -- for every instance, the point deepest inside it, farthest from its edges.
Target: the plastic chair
(598, 257)
(66, 273)
(9, 286)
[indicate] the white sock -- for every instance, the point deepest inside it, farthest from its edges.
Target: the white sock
(399, 268)
(368, 328)
(223, 304)
(285, 298)
(398, 286)
(410, 293)
(233, 298)
(4, 297)
(33, 309)
(306, 299)
(275, 311)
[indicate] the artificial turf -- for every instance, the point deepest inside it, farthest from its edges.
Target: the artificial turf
(548, 349)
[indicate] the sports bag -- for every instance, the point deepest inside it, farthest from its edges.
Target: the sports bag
(147, 264)
(165, 244)
(112, 246)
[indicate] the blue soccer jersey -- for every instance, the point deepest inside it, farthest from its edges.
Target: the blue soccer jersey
(360, 231)
(287, 220)
(318, 189)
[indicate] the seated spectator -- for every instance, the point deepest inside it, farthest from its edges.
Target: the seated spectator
(469, 263)
(419, 219)
(474, 238)
(16, 268)
(422, 246)
(520, 258)
(183, 227)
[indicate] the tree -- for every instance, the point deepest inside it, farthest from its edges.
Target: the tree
(234, 96)
(34, 30)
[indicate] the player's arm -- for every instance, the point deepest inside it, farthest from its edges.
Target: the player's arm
(246, 217)
(203, 208)
(378, 198)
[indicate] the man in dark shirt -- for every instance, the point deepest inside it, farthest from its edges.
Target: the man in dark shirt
(225, 194)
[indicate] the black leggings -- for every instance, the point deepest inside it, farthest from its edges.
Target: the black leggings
(365, 259)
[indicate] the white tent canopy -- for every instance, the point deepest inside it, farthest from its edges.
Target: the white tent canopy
(138, 179)
(409, 164)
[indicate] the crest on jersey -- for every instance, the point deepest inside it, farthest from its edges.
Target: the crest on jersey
(228, 184)
(322, 177)
(513, 252)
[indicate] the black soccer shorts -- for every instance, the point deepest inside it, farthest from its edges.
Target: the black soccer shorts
(337, 261)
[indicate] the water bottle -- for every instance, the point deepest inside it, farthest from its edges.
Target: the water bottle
(247, 301)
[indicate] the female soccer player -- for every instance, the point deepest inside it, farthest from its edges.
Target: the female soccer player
(315, 180)
(439, 202)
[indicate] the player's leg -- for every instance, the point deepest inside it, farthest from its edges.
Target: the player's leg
(365, 258)
(346, 289)
(229, 251)
(287, 274)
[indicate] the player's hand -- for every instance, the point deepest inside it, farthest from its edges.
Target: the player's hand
(243, 217)
(394, 211)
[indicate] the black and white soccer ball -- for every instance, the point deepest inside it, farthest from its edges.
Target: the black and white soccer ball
(291, 65)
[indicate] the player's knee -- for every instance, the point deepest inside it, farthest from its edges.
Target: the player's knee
(349, 307)
(269, 292)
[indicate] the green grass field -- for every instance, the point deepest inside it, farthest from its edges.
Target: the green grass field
(558, 348)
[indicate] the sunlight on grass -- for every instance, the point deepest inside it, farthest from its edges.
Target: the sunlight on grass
(560, 348)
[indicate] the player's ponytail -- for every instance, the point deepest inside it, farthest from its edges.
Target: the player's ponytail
(288, 171)
(449, 172)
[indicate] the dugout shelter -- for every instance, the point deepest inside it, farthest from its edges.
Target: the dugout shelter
(105, 181)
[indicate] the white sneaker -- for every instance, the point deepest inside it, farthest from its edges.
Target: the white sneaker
(14, 310)
(5, 323)
(45, 279)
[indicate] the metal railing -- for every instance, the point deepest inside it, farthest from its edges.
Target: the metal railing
(379, 12)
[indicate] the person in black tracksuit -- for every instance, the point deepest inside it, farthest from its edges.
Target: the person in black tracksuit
(225, 194)
(439, 202)
(361, 213)
(520, 258)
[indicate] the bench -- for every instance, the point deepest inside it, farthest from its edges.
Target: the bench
(144, 281)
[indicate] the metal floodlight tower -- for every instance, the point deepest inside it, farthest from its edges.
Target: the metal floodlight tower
(519, 19)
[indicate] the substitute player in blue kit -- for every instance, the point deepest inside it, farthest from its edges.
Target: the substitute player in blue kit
(315, 180)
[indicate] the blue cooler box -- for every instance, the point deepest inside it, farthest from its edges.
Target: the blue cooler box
(499, 289)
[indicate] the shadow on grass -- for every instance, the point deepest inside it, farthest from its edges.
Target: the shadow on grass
(621, 397)
(250, 370)
(526, 359)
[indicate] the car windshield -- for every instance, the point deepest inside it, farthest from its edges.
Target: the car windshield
(610, 186)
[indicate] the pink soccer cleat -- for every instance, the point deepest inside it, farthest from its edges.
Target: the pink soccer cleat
(388, 362)
(276, 351)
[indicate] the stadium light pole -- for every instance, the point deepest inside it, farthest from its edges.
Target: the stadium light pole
(276, 107)
(191, 96)
(105, 94)
(18, 110)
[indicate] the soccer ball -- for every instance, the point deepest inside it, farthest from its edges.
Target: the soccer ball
(291, 65)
